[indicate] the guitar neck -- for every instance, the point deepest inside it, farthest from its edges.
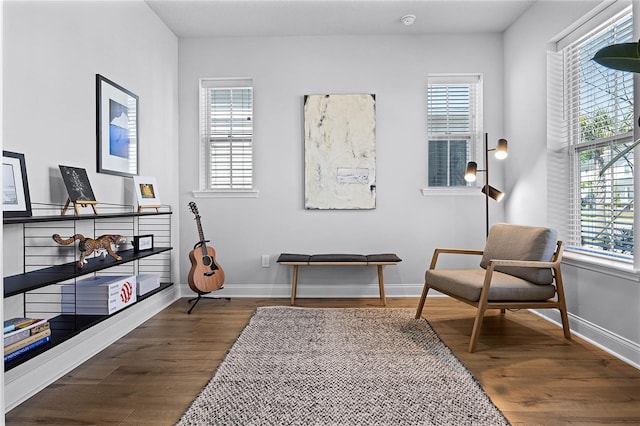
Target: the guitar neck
(203, 244)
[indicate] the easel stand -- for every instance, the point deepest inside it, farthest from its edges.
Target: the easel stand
(140, 208)
(81, 203)
(197, 299)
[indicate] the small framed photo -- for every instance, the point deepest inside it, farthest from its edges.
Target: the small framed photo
(146, 189)
(142, 242)
(15, 188)
(117, 128)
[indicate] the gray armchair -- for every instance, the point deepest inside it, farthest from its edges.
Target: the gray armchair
(520, 270)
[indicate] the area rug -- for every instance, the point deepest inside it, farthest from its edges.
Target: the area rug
(355, 366)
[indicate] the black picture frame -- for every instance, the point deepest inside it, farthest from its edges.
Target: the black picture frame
(16, 201)
(142, 242)
(117, 133)
(77, 183)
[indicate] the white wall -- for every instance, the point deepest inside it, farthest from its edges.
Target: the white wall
(284, 69)
(52, 52)
(604, 306)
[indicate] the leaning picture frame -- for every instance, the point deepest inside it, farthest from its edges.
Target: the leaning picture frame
(147, 193)
(16, 201)
(116, 128)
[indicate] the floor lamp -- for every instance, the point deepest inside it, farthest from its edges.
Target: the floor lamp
(472, 170)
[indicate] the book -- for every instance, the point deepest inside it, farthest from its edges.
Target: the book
(16, 336)
(25, 349)
(13, 323)
(25, 342)
(35, 327)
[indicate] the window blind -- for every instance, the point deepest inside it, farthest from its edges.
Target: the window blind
(228, 135)
(599, 110)
(453, 114)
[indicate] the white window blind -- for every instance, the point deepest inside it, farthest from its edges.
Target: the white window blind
(453, 117)
(227, 134)
(599, 112)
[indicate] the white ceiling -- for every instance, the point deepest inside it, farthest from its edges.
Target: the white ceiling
(220, 18)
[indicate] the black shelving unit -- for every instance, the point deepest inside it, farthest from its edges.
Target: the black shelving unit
(21, 283)
(65, 325)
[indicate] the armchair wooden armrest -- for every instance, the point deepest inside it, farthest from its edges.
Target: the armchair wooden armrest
(439, 251)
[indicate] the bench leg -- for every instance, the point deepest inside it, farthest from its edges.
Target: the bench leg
(383, 297)
(294, 284)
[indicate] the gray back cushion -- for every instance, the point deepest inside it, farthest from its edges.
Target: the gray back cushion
(518, 242)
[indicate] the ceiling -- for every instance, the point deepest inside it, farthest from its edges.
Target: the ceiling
(233, 18)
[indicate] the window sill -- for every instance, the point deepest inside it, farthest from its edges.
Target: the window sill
(230, 193)
(461, 191)
(616, 268)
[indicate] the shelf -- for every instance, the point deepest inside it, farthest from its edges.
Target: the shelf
(17, 284)
(64, 327)
(60, 218)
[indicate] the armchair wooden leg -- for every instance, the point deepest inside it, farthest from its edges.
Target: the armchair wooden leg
(423, 298)
(562, 303)
(477, 325)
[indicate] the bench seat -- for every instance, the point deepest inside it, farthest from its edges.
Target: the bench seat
(378, 260)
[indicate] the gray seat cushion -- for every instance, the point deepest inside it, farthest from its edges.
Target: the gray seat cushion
(293, 257)
(467, 283)
(338, 258)
(518, 242)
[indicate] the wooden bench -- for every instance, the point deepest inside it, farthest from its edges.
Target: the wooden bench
(378, 260)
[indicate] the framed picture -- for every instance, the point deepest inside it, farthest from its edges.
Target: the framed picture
(77, 183)
(146, 189)
(117, 128)
(15, 188)
(142, 242)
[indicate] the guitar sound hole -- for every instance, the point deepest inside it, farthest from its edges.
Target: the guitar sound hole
(208, 262)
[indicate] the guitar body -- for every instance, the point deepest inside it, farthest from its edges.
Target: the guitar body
(205, 275)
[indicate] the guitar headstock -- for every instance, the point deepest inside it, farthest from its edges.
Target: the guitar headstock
(194, 208)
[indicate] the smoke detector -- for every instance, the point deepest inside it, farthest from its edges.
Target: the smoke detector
(408, 20)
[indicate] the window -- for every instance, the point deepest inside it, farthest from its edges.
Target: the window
(453, 126)
(227, 135)
(598, 104)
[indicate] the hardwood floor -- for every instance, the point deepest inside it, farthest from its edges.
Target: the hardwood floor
(150, 376)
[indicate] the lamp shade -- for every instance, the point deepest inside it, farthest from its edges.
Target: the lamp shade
(621, 56)
(472, 169)
(493, 193)
(501, 150)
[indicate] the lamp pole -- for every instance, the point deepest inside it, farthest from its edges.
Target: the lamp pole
(486, 181)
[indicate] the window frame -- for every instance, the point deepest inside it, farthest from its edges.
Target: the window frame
(565, 153)
(204, 151)
(473, 136)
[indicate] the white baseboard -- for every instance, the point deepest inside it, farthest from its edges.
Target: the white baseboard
(333, 290)
(618, 346)
(28, 378)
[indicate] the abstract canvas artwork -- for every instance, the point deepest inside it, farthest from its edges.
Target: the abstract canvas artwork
(340, 151)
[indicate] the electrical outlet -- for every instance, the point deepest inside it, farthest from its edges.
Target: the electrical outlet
(265, 260)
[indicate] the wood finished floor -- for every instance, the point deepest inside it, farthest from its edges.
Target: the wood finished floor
(150, 376)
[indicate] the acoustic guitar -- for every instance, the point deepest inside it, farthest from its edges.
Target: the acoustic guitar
(205, 275)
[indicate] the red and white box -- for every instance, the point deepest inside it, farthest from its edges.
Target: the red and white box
(104, 294)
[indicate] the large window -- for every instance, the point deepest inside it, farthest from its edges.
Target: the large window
(599, 111)
(227, 134)
(453, 126)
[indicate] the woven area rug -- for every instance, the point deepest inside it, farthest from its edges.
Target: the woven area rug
(360, 366)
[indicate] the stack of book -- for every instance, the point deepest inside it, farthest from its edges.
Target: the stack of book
(22, 335)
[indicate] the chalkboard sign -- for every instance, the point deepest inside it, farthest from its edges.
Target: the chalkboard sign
(77, 183)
